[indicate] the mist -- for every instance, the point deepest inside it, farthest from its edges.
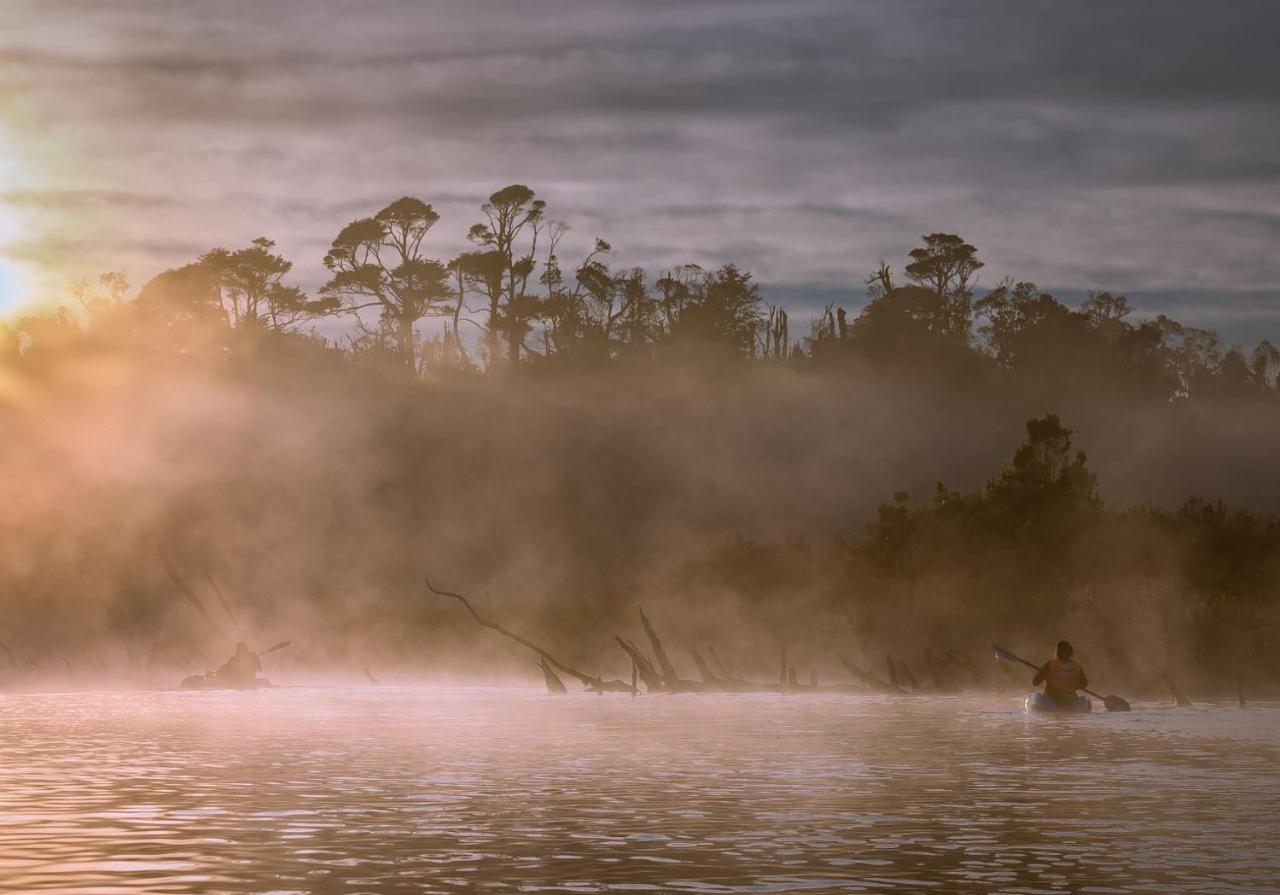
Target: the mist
(732, 479)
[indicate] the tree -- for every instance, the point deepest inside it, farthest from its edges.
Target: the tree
(721, 311)
(378, 263)
(46, 335)
(1045, 490)
(602, 314)
(945, 265)
(183, 298)
(880, 283)
(1264, 358)
(906, 323)
(1101, 307)
(252, 292)
(1025, 327)
(505, 270)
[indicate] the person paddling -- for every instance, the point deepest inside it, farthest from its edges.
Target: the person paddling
(1061, 676)
(241, 669)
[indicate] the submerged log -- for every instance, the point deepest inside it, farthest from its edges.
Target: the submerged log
(555, 686)
(905, 671)
(866, 678)
(591, 682)
(653, 681)
(663, 677)
(715, 657)
(935, 677)
(704, 670)
(1181, 700)
(669, 676)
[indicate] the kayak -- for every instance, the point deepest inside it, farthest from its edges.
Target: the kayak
(1041, 702)
(206, 682)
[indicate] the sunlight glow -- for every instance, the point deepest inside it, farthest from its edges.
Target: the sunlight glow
(15, 285)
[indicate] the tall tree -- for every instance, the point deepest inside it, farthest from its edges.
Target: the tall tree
(253, 294)
(1025, 327)
(378, 262)
(1046, 490)
(182, 299)
(510, 213)
(720, 310)
(946, 265)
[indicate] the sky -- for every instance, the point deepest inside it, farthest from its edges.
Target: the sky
(1131, 147)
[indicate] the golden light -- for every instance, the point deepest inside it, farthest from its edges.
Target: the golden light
(15, 283)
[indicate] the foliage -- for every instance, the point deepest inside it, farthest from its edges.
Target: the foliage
(451, 422)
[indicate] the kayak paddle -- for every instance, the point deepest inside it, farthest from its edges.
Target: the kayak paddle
(1113, 703)
(271, 649)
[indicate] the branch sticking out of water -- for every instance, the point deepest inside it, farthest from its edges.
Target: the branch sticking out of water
(591, 682)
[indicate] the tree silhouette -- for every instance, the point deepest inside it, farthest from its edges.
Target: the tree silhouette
(505, 267)
(717, 313)
(252, 292)
(184, 301)
(945, 265)
(1045, 489)
(377, 262)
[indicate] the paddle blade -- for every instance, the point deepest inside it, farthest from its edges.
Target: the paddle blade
(1115, 704)
(1003, 654)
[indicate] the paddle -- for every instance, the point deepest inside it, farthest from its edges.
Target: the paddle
(1113, 703)
(271, 649)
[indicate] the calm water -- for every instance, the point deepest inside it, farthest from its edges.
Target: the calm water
(399, 790)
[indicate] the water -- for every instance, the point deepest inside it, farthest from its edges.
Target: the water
(408, 790)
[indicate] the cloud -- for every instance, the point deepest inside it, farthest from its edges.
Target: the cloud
(804, 140)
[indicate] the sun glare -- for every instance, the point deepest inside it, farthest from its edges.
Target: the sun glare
(14, 283)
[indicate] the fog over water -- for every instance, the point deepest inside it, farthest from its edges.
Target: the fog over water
(403, 790)
(317, 495)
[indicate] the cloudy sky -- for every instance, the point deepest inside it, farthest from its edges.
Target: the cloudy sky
(1125, 146)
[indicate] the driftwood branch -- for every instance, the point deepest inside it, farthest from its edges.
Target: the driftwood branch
(226, 607)
(590, 681)
(715, 657)
(653, 681)
(555, 686)
(183, 588)
(866, 678)
(905, 671)
(1177, 694)
(890, 667)
(669, 676)
(704, 670)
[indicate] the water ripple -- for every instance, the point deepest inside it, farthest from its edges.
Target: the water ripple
(402, 790)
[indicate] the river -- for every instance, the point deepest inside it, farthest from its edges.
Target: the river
(389, 790)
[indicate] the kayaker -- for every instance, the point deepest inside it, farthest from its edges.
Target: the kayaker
(1061, 676)
(241, 669)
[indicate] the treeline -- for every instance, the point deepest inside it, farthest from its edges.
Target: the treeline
(571, 439)
(1191, 593)
(513, 303)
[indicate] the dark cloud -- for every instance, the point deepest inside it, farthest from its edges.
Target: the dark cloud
(1074, 143)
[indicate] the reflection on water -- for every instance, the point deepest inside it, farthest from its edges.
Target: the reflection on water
(386, 790)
